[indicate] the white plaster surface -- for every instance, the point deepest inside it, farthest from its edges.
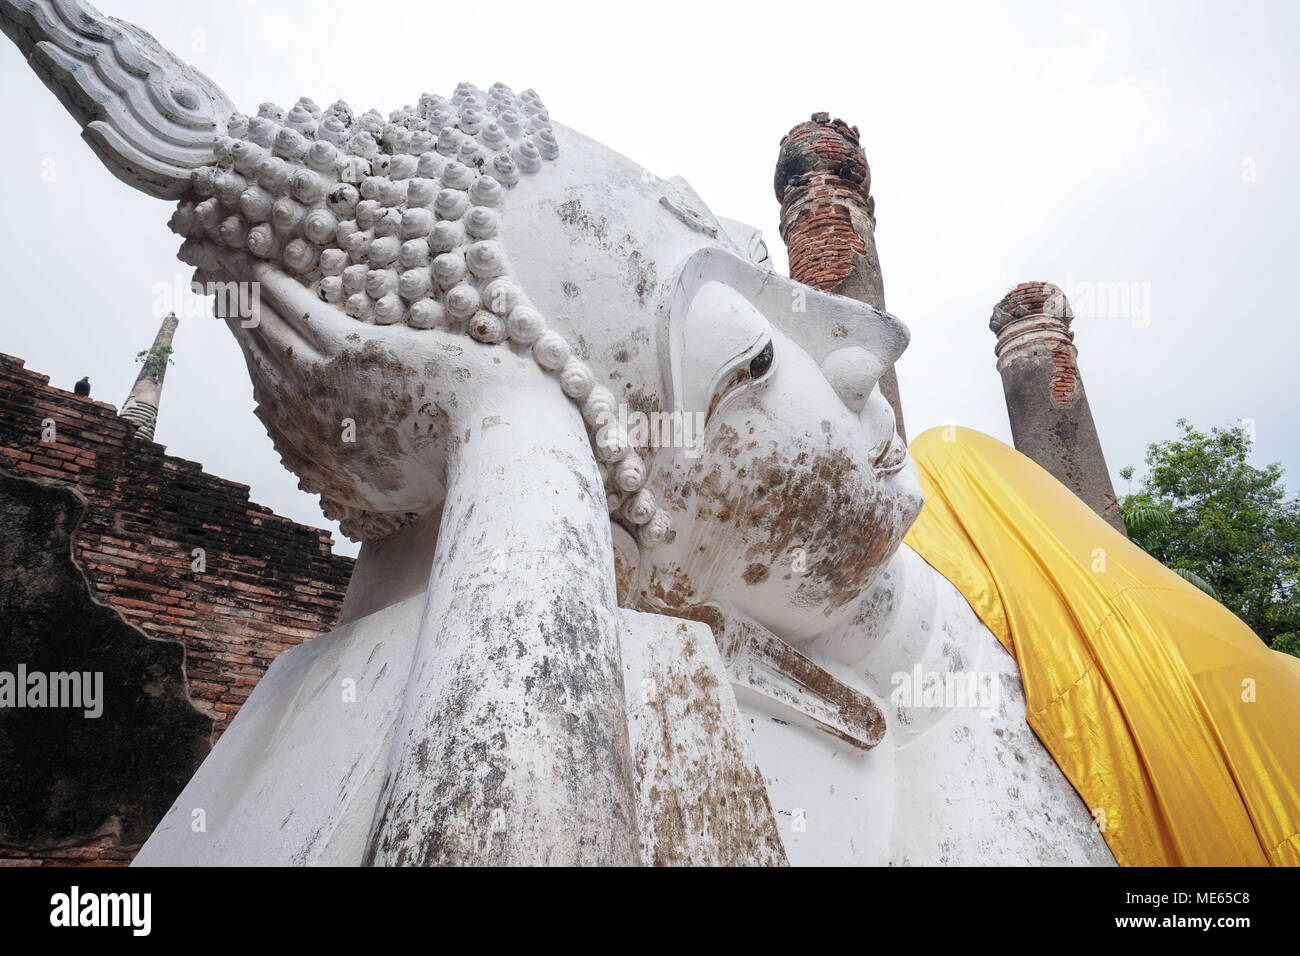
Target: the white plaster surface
(947, 785)
(701, 799)
(295, 778)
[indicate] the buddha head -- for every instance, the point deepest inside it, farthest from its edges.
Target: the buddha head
(458, 257)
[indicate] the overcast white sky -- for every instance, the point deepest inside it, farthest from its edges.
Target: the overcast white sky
(1085, 144)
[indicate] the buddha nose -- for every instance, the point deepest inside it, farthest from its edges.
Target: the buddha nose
(853, 372)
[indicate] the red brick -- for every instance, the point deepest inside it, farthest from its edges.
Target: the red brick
(275, 586)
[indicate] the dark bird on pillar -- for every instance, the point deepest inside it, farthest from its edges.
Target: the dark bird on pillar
(82, 387)
(850, 172)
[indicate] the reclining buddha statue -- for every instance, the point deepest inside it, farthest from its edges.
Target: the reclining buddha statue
(647, 574)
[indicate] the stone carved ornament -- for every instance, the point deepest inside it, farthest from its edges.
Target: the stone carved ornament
(575, 643)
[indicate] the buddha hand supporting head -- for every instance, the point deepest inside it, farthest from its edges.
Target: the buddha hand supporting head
(421, 274)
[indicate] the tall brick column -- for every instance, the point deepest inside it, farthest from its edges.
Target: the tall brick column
(141, 406)
(1050, 418)
(828, 219)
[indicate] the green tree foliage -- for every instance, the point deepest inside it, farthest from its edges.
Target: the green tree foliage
(157, 355)
(1224, 525)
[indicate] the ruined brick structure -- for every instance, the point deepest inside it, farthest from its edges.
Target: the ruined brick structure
(828, 219)
(266, 584)
(1051, 421)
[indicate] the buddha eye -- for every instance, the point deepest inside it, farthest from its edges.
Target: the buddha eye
(725, 344)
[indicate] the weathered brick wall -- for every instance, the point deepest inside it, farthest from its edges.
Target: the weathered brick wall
(1065, 377)
(268, 582)
(1032, 298)
(822, 182)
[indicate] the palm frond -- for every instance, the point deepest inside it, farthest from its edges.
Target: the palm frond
(1193, 578)
(1141, 521)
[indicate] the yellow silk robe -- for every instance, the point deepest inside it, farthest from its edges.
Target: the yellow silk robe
(1171, 718)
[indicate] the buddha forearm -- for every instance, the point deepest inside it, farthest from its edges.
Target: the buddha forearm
(512, 743)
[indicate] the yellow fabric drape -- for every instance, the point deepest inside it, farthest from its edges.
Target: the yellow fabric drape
(1175, 723)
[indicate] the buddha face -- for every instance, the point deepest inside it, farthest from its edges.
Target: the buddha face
(800, 491)
(770, 446)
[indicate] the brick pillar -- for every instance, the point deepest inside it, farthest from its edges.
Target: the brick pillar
(828, 219)
(141, 406)
(1050, 418)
